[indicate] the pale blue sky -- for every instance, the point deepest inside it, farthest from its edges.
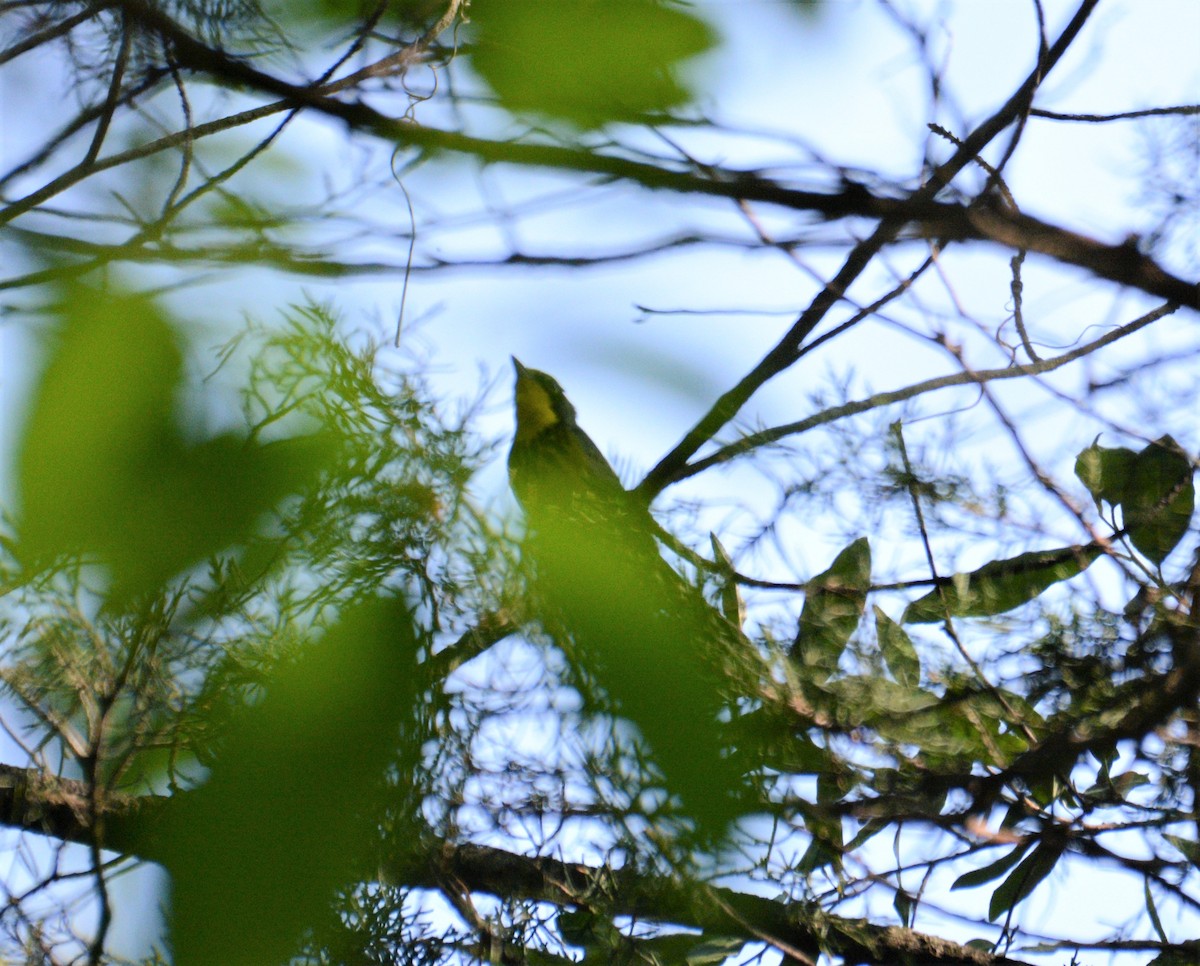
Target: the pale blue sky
(848, 87)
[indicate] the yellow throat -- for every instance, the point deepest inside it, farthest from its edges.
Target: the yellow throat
(535, 408)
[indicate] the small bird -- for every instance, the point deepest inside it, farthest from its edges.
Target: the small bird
(597, 576)
(553, 465)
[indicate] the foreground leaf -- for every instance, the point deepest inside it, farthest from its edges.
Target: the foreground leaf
(107, 470)
(292, 807)
(589, 62)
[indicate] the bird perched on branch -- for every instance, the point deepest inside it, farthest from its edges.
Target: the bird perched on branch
(598, 577)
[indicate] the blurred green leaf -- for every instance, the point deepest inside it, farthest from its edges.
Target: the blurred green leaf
(1000, 585)
(833, 605)
(589, 62)
(302, 12)
(648, 633)
(99, 420)
(106, 469)
(866, 832)
(768, 738)
(1024, 879)
(291, 809)
(897, 649)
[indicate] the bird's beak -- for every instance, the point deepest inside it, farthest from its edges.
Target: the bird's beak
(521, 370)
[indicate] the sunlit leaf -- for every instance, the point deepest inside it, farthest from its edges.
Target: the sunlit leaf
(1000, 585)
(589, 62)
(904, 715)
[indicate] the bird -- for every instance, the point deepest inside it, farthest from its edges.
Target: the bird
(598, 577)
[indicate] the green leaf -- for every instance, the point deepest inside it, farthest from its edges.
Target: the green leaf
(1107, 790)
(1159, 499)
(1105, 471)
(589, 62)
(1000, 585)
(1024, 879)
(906, 908)
(1153, 487)
(732, 605)
(833, 605)
(827, 845)
(715, 950)
(582, 926)
(767, 738)
(99, 420)
(291, 809)
(978, 877)
(869, 830)
(1152, 910)
(300, 14)
(897, 649)
(106, 468)
(640, 626)
(863, 698)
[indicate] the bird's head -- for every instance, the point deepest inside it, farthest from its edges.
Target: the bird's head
(540, 402)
